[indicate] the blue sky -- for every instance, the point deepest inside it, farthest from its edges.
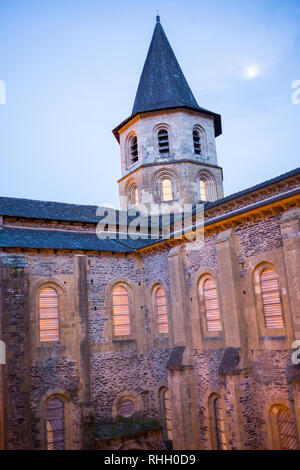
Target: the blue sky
(71, 70)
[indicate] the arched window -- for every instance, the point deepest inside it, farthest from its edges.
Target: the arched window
(167, 193)
(161, 310)
(271, 299)
(285, 428)
(133, 150)
(165, 413)
(211, 305)
(49, 315)
(197, 142)
(54, 424)
(219, 424)
(163, 141)
(203, 186)
(121, 316)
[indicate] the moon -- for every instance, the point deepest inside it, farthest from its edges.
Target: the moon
(252, 71)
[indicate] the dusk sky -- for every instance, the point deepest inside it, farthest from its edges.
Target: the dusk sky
(71, 70)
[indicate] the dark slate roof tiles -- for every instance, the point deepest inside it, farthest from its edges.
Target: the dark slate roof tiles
(63, 240)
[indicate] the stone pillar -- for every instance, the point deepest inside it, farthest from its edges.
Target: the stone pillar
(15, 333)
(81, 294)
(181, 372)
(235, 359)
(290, 233)
(228, 269)
(183, 401)
(180, 328)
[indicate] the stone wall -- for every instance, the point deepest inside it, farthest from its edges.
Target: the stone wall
(246, 366)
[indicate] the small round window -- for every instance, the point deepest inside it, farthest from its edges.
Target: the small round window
(126, 408)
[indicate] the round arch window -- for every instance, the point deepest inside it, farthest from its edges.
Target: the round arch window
(126, 408)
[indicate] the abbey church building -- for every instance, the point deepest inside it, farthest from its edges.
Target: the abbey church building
(154, 343)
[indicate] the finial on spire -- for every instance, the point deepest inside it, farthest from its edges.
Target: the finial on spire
(157, 17)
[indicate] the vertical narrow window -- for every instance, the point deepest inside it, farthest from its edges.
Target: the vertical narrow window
(203, 189)
(211, 305)
(166, 414)
(167, 194)
(220, 427)
(286, 429)
(197, 142)
(49, 315)
(121, 316)
(161, 311)
(271, 299)
(55, 424)
(133, 150)
(163, 141)
(134, 195)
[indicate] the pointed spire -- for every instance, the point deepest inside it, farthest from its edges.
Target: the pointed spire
(162, 83)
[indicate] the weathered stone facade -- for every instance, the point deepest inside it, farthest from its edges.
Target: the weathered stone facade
(243, 364)
(90, 368)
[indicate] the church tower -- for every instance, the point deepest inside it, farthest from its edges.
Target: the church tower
(168, 150)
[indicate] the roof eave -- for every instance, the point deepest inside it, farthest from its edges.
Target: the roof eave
(216, 117)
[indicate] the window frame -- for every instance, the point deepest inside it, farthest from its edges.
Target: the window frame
(50, 285)
(166, 178)
(218, 334)
(274, 425)
(199, 151)
(263, 330)
(127, 395)
(131, 311)
(63, 420)
(213, 397)
(163, 414)
(154, 304)
(163, 152)
(65, 398)
(162, 127)
(210, 182)
(203, 143)
(128, 149)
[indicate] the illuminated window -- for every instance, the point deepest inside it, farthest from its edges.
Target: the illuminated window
(271, 299)
(126, 408)
(197, 142)
(211, 305)
(55, 424)
(133, 150)
(203, 189)
(220, 426)
(163, 141)
(282, 419)
(161, 311)
(164, 399)
(49, 315)
(167, 194)
(134, 195)
(121, 317)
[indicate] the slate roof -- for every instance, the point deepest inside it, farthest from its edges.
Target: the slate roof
(34, 209)
(63, 240)
(70, 239)
(246, 191)
(162, 84)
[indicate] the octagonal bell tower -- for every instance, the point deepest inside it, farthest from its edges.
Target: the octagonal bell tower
(168, 150)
